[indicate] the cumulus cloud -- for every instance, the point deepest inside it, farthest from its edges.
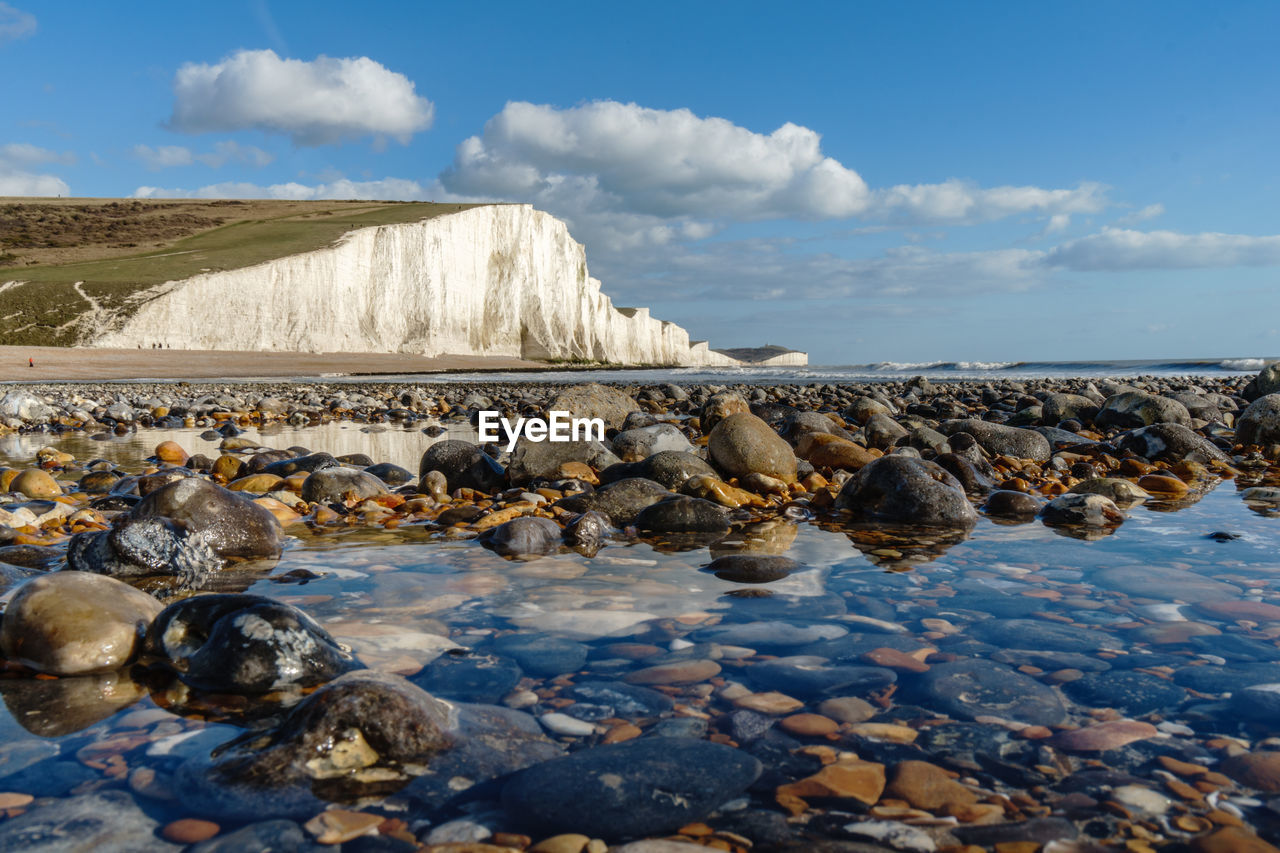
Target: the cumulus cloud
(1125, 249)
(963, 202)
(16, 178)
(15, 24)
(229, 151)
(627, 175)
(396, 189)
(665, 164)
(320, 102)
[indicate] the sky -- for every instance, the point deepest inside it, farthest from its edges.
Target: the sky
(907, 182)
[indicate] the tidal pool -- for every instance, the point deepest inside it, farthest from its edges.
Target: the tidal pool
(987, 654)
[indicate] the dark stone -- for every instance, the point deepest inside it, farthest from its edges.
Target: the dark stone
(683, 514)
(746, 726)
(328, 485)
(641, 787)
(1134, 693)
(1260, 422)
(1226, 679)
(245, 644)
(464, 465)
(973, 481)
(534, 460)
(967, 689)
(491, 743)
(752, 568)
(1131, 409)
(998, 439)
(472, 677)
(542, 654)
(1234, 647)
(671, 468)
(621, 501)
(1171, 442)
(233, 525)
(525, 537)
(629, 700)
(1005, 503)
(588, 532)
(290, 770)
(913, 491)
(310, 463)
(1042, 634)
(392, 475)
(142, 547)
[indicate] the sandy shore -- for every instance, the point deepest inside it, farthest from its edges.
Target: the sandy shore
(53, 364)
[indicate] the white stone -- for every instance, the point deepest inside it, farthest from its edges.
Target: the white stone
(563, 724)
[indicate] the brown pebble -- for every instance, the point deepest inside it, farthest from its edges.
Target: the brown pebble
(812, 725)
(14, 801)
(895, 659)
(680, 672)
(190, 830)
(861, 780)
(618, 734)
(569, 842)
(772, 702)
(338, 825)
(1103, 736)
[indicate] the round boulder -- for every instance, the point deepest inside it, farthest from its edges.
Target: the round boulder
(335, 484)
(743, 444)
(245, 644)
(231, 524)
(1260, 423)
(901, 489)
(70, 623)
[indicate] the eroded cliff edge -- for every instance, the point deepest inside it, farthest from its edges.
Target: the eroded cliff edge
(502, 280)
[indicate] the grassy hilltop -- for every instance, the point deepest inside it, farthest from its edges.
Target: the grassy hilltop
(70, 255)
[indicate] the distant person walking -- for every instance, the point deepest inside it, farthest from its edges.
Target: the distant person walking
(31, 362)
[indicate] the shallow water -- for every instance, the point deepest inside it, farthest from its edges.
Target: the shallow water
(401, 596)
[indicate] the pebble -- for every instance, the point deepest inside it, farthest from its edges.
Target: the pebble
(810, 725)
(847, 709)
(679, 672)
(338, 825)
(771, 703)
(190, 830)
(1104, 736)
(859, 780)
(563, 724)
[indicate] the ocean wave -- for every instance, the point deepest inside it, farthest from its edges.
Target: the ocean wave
(1243, 363)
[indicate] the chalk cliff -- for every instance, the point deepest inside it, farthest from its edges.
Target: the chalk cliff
(501, 280)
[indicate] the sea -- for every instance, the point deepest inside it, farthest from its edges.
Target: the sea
(881, 371)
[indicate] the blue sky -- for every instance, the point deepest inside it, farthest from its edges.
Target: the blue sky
(869, 182)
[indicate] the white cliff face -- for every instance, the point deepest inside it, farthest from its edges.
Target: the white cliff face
(500, 280)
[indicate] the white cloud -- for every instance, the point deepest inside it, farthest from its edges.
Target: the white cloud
(323, 101)
(20, 154)
(963, 202)
(16, 179)
(1124, 249)
(16, 183)
(167, 156)
(626, 176)
(15, 24)
(1151, 211)
(666, 164)
(392, 189)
